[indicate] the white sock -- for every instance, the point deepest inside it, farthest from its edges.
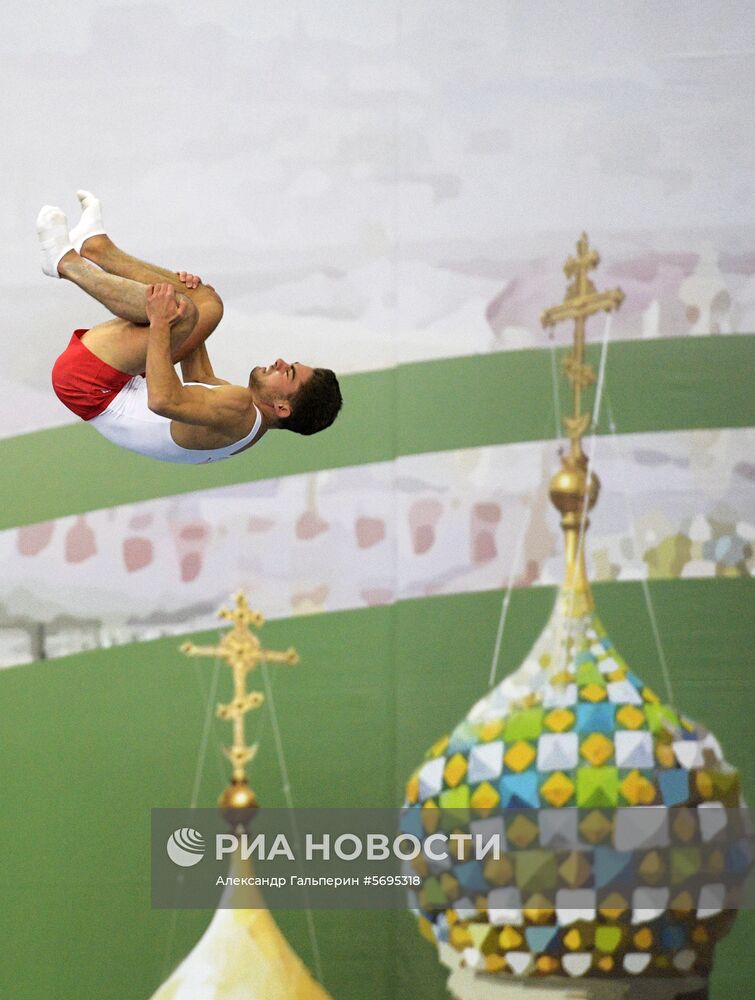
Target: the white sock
(90, 223)
(52, 229)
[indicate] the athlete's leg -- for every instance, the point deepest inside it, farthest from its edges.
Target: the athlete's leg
(121, 296)
(90, 238)
(122, 342)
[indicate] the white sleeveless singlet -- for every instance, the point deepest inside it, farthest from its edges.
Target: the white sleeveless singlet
(129, 423)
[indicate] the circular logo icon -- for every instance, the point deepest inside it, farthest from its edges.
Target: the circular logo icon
(185, 847)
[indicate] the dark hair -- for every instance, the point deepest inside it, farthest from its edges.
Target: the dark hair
(315, 406)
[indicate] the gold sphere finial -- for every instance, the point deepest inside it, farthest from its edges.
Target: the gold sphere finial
(570, 488)
(238, 803)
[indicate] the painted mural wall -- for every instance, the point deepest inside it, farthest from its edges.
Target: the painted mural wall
(379, 188)
(399, 185)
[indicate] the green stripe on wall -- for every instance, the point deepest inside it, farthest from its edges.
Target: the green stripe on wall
(490, 399)
(120, 730)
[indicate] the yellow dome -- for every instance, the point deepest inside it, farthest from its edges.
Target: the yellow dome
(242, 953)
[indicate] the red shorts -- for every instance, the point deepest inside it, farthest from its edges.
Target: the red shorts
(84, 383)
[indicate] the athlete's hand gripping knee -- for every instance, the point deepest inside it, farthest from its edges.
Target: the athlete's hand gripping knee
(162, 305)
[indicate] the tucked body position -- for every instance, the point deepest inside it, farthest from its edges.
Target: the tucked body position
(120, 376)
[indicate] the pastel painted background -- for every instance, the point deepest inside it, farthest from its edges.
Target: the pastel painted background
(390, 190)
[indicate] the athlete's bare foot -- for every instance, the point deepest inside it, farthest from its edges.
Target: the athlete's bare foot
(54, 243)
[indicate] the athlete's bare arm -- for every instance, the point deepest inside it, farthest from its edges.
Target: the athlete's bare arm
(198, 368)
(223, 408)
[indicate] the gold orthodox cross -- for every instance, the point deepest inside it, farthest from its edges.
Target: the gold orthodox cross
(242, 651)
(574, 488)
(580, 302)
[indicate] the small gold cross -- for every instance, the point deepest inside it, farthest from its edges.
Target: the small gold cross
(242, 651)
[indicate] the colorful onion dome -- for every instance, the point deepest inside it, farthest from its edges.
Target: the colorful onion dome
(624, 841)
(624, 844)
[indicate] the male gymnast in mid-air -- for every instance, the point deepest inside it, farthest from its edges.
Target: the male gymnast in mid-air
(120, 377)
